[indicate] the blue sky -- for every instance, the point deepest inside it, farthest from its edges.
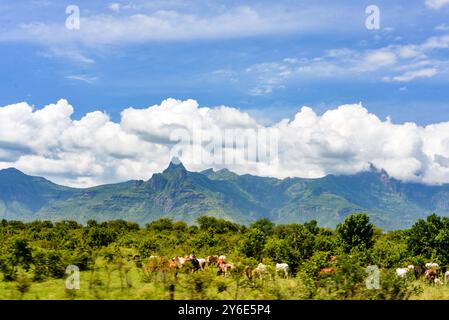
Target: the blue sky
(267, 58)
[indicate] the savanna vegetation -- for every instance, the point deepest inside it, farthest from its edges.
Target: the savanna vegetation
(116, 259)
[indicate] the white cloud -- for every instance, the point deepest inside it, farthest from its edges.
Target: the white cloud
(436, 4)
(376, 59)
(95, 150)
(71, 54)
(132, 22)
(442, 27)
(166, 25)
(115, 7)
(82, 78)
(411, 75)
(401, 63)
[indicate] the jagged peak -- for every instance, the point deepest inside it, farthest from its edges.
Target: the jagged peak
(207, 171)
(175, 165)
(175, 160)
(374, 169)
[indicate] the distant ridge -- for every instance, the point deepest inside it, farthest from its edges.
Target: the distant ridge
(180, 194)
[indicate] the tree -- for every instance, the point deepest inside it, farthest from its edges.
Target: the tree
(23, 284)
(254, 243)
(161, 225)
(430, 238)
(215, 225)
(148, 247)
(99, 236)
(264, 225)
(18, 254)
(281, 251)
(180, 226)
(356, 231)
(300, 239)
(312, 226)
(21, 254)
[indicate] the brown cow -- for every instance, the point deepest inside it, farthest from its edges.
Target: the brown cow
(155, 263)
(325, 271)
(431, 275)
(223, 267)
(212, 260)
(247, 271)
(172, 265)
(159, 263)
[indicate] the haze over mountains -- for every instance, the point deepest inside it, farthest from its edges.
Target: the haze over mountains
(184, 195)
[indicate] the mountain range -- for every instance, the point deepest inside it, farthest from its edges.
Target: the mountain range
(183, 195)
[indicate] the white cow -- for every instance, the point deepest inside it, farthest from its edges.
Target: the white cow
(283, 267)
(402, 272)
(202, 263)
(180, 260)
(432, 265)
(259, 271)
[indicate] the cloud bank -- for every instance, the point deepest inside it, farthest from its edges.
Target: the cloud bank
(96, 150)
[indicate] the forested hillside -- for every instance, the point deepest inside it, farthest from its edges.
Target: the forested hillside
(183, 195)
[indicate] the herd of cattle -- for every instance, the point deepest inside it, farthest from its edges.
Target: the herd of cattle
(159, 263)
(431, 271)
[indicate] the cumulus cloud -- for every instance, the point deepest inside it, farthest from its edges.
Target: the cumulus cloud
(95, 150)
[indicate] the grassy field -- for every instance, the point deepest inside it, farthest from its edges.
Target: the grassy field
(133, 283)
(117, 260)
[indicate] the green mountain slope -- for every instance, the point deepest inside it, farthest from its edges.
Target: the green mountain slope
(180, 194)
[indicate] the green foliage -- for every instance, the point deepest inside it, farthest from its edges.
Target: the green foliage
(204, 239)
(20, 254)
(298, 237)
(394, 287)
(281, 251)
(180, 226)
(161, 225)
(114, 258)
(264, 225)
(317, 261)
(312, 226)
(356, 231)
(215, 225)
(254, 243)
(430, 238)
(148, 247)
(388, 253)
(23, 284)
